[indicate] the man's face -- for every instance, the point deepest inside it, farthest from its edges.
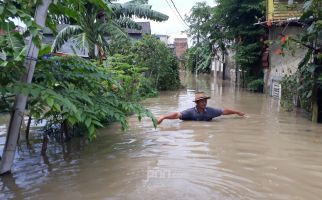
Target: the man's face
(202, 103)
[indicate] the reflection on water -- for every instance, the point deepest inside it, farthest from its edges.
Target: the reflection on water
(272, 154)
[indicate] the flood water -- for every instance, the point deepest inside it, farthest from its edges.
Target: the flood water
(270, 154)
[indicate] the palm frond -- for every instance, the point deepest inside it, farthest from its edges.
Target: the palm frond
(64, 35)
(81, 42)
(102, 4)
(111, 28)
(136, 10)
(126, 22)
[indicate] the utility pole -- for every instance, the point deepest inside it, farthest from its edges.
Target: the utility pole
(19, 107)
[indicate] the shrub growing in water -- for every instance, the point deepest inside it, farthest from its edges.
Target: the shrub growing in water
(256, 85)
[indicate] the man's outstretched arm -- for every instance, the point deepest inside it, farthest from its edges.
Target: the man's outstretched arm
(231, 112)
(174, 115)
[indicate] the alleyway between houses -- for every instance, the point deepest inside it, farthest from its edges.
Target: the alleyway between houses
(270, 154)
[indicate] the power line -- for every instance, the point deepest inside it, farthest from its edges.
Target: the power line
(179, 13)
(175, 13)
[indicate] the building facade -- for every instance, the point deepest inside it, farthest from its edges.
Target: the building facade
(282, 20)
(180, 47)
(162, 38)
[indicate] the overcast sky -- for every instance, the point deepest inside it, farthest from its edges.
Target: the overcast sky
(174, 26)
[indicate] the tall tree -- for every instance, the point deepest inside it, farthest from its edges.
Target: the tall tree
(199, 22)
(238, 18)
(230, 24)
(200, 26)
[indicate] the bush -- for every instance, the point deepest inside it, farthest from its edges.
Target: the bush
(289, 91)
(163, 68)
(199, 59)
(256, 85)
(77, 94)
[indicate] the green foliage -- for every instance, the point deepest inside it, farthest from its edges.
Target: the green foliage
(129, 75)
(93, 25)
(237, 19)
(138, 9)
(301, 85)
(81, 93)
(199, 22)
(309, 73)
(200, 27)
(161, 63)
(230, 24)
(199, 58)
(289, 91)
(256, 85)
(12, 45)
(77, 94)
(22, 10)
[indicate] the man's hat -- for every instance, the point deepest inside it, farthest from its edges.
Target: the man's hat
(200, 96)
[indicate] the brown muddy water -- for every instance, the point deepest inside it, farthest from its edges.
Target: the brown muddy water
(271, 154)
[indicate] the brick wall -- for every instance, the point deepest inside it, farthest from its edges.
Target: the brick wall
(181, 46)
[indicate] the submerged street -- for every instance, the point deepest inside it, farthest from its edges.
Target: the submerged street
(269, 154)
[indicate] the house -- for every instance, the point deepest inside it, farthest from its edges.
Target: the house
(138, 34)
(282, 20)
(162, 38)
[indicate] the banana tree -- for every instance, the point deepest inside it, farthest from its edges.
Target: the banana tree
(90, 26)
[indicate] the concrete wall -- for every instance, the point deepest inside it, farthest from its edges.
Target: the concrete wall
(163, 38)
(280, 65)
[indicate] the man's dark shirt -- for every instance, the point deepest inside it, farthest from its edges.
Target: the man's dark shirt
(193, 114)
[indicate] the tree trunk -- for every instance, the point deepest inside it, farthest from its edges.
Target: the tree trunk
(21, 100)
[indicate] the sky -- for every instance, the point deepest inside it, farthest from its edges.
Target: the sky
(173, 26)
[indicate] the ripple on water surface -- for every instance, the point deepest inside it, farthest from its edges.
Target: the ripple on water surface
(271, 154)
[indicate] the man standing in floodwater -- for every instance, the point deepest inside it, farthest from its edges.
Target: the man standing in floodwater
(201, 112)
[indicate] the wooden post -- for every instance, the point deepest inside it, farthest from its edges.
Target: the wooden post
(21, 100)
